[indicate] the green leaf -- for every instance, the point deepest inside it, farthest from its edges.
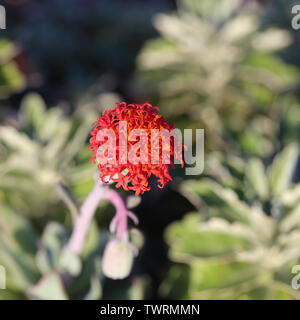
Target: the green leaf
(7, 50)
(95, 290)
(81, 286)
(256, 176)
(215, 195)
(33, 111)
(17, 141)
(271, 40)
(281, 171)
(49, 287)
(69, 263)
(11, 295)
(53, 240)
(206, 239)
(217, 11)
(17, 231)
(78, 140)
(290, 197)
(254, 143)
(53, 124)
(291, 219)
(92, 240)
(282, 74)
(11, 79)
(53, 153)
(17, 249)
(21, 272)
(176, 283)
(220, 274)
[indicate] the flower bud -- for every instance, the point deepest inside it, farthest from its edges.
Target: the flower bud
(117, 259)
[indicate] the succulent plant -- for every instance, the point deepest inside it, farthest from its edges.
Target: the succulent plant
(240, 245)
(214, 66)
(44, 150)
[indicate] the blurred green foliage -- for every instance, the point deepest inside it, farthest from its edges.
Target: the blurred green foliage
(12, 80)
(46, 149)
(224, 66)
(246, 241)
(214, 66)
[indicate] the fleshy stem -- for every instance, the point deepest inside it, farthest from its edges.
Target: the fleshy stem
(119, 224)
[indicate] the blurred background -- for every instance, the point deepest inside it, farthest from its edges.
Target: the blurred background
(228, 66)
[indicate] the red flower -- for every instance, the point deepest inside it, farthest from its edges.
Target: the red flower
(134, 176)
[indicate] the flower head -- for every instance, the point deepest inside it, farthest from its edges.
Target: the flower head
(134, 175)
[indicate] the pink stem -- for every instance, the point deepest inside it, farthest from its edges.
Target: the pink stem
(119, 223)
(84, 218)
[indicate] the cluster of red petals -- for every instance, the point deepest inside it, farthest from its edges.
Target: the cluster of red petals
(137, 116)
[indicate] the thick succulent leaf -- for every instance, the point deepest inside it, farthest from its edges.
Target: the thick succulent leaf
(226, 200)
(192, 239)
(17, 249)
(290, 240)
(178, 29)
(53, 240)
(262, 288)
(215, 168)
(33, 112)
(7, 50)
(17, 141)
(291, 219)
(13, 165)
(257, 178)
(216, 11)
(92, 240)
(53, 153)
(95, 290)
(239, 28)
(53, 123)
(78, 139)
(49, 287)
(148, 60)
(282, 291)
(281, 171)
(290, 197)
(220, 274)
(176, 283)
(17, 231)
(82, 286)
(263, 225)
(69, 263)
(267, 257)
(11, 295)
(43, 123)
(251, 141)
(11, 79)
(278, 74)
(271, 40)
(20, 269)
